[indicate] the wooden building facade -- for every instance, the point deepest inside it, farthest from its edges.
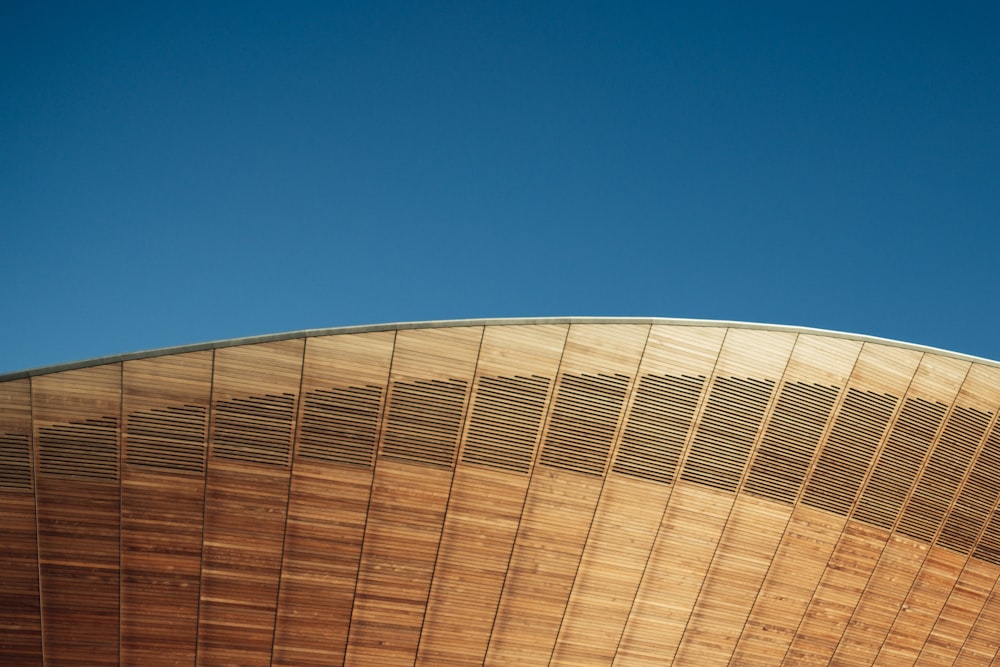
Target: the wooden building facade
(535, 492)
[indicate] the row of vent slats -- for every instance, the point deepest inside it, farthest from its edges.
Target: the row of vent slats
(424, 422)
(897, 467)
(727, 431)
(974, 504)
(584, 421)
(792, 435)
(657, 426)
(88, 449)
(15, 461)
(341, 425)
(257, 429)
(505, 420)
(172, 438)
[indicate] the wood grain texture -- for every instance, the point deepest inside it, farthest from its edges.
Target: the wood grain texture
(554, 493)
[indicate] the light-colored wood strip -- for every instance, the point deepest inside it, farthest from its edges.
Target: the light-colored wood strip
(812, 533)
(328, 501)
(681, 554)
(78, 516)
(245, 506)
(409, 500)
(983, 643)
(162, 508)
(630, 509)
(488, 492)
(756, 524)
(960, 613)
(560, 502)
(857, 554)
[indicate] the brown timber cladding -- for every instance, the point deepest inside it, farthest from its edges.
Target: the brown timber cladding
(564, 494)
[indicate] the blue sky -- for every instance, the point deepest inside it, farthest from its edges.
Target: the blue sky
(178, 173)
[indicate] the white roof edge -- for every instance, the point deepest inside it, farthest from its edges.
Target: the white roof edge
(434, 324)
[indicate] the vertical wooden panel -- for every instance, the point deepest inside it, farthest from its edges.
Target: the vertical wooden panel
(343, 387)
(934, 384)
(634, 497)
(756, 524)
(20, 618)
(597, 367)
(165, 434)
(76, 417)
(982, 645)
(727, 429)
(962, 450)
(517, 365)
(431, 372)
(246, 496)
(903, 555)
(879, 374)
(959, 615)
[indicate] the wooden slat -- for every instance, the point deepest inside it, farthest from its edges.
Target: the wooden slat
(488, 490)
(165, 403)
(982, 645)
(757, 523)
(960, 613)
(564, 490)
(632, 501)
(410, 491)
(831, 483)
(903, 555)
(954, 473)
(245, 500)
(330, 489)
(77, 412)
(726, 431)
(20, 613)
(857, 553)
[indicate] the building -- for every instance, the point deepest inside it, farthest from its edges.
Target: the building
(531, 492)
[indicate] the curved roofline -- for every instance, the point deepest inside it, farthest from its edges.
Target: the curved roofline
(435, 324)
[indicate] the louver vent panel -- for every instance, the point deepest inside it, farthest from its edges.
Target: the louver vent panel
(944, 473)
(424, 422)
(506, 416)
(340, 425)
(15, 462)
(657, 426)
(901, 458)
(976, 500)
(257, 429)
(855, 435)
(80, 449)
(790, 440)
(988, 548)
(171, 438)
(583, 423)
(727, 431)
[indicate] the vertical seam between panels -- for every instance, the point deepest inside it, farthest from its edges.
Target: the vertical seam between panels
(371, 491)
(813, 461)
(751, 453)
(612, 450)
(466, 410)
(862, 486)
(911, 492)
(696, 417)
(38, 547)
(937, 534)
(209, 434)
(539, 440)
(292, 448)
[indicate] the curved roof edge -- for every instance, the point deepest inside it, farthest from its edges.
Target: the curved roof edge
(433, 324)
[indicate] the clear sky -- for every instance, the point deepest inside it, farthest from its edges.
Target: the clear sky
(174, 173)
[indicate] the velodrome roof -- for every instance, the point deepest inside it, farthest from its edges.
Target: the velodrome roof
(569, 491)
